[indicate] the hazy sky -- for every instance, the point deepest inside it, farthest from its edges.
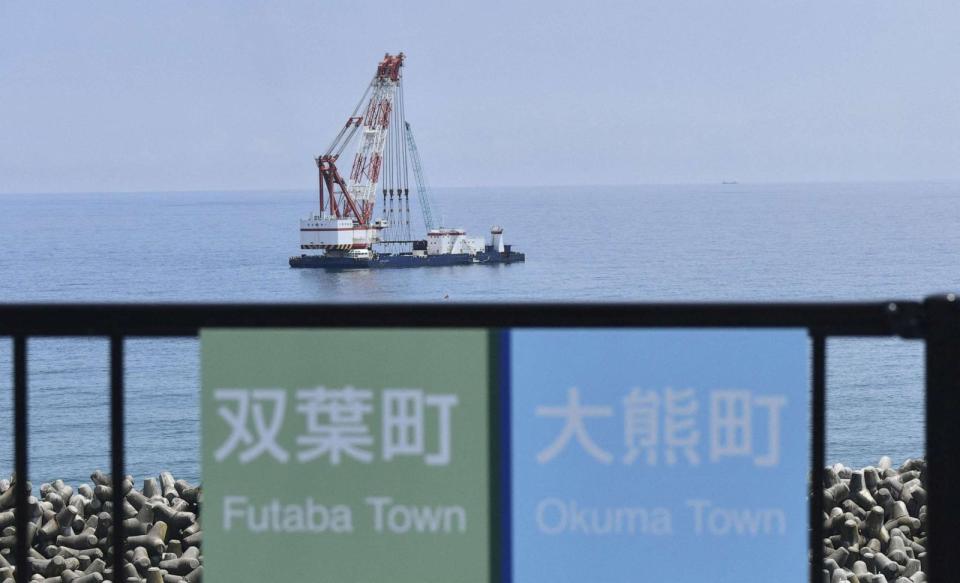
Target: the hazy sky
(183, 95)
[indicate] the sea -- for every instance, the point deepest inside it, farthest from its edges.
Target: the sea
(712, 242)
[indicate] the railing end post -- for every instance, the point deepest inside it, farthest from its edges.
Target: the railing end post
(942, 334)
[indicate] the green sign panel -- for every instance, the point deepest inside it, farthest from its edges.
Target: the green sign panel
(346, 456)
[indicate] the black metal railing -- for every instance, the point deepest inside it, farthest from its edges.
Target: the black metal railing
(936, 320)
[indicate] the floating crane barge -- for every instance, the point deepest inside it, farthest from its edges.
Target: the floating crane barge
(344, 233)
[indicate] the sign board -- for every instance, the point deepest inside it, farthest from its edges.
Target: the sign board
(652, 455)
(346, 456)
(360, 456)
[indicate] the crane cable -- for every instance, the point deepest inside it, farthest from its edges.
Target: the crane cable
(343, 130)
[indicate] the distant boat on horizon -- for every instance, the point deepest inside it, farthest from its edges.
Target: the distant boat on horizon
(730, 182)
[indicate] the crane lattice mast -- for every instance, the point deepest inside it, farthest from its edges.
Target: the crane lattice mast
(354, 198)
(423, 193)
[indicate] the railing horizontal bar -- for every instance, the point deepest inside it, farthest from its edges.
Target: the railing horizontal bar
(830, 319)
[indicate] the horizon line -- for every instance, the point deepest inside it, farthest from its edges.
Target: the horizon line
(506, 186)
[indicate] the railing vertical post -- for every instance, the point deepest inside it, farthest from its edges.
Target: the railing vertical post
(21, 468)
(501, 462)
(943, 433)
(818, 402)
(117, 451)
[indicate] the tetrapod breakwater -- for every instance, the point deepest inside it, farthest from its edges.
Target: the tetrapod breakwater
(875, 523)
(69, 531)
(874, 527)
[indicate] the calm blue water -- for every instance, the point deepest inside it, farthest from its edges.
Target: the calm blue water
(645, 243)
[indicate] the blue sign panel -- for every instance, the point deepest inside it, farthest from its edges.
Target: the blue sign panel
(654, 455)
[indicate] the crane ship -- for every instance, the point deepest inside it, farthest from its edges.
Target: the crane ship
(345, 234)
